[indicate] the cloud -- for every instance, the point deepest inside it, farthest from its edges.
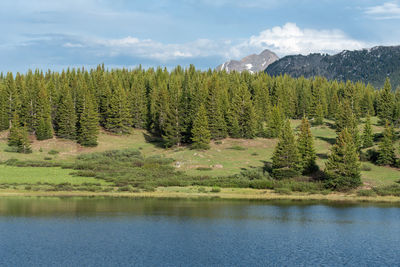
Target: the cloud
(290, 39)
(389, 10)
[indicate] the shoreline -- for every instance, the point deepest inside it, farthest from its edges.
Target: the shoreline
(226, 193)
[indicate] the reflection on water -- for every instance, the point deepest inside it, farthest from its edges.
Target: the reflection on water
(123, 231)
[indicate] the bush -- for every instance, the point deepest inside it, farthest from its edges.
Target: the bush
(262, 184)
(254, 174)
(218, 142)
(254, 154)
(237, 148)
(215, 189)
(284, 173)
(201, 190)
(366, 193)
(283, 191)
(389, 190)
(53, 152)
(48, 158)
(366, 168)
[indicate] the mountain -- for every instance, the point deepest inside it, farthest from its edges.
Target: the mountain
(252, 63)
(366, 65)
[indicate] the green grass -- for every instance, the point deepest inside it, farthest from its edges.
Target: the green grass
(33, 175)
(221, 158)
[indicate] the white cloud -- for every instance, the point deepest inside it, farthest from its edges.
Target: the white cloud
(290, 39)
(285, 40)
(389, 10)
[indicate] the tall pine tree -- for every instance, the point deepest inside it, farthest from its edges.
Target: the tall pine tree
(343, 167)
(285, 160)
(305, 145)
(385, 103)
(386, 152)
(89, 129)
(367, 137)
(200, 133)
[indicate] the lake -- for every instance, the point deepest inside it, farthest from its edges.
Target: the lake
(155, 232)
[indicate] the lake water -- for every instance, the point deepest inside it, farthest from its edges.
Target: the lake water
(151, 232)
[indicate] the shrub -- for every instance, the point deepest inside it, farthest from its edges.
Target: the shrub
(389, 190)
(284, 173)
(366, 168)
(283, 191)
(48, 158)
(53, 152)
(237, 147)
(262, 184)
(215, 189)
(201, 190)
(218, 142)
(366, 193)
(254, 154)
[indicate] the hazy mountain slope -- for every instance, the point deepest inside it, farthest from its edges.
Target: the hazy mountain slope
(367, 65)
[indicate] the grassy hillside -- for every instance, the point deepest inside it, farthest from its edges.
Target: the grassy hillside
(226, 157)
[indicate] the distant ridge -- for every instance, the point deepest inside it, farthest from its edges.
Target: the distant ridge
(252, 63)
(367, 65)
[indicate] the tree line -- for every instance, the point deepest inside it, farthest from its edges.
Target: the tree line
(187, 106)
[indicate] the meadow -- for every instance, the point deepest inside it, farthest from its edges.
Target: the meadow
(225, 158)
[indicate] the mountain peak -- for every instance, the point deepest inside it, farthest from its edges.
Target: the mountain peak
(252, 63)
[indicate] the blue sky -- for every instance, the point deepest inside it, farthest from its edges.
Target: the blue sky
(55, 34)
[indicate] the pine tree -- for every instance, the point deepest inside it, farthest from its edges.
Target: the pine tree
(285, 160)
(386, 152)
(65, 120)
(367, 137)
(305, 145)
(346, 119)
(88, 131)
(138, 101)
(319, 115)
(4, 118)
(385, 103)
(217, 124)
(18, 136)
(43, 129)
(200, 133)
(343, 167)
(118, 113)
(275, 122)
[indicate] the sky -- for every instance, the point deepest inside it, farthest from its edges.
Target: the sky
(57, 34)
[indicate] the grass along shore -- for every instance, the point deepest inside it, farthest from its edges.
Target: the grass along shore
(194, 192)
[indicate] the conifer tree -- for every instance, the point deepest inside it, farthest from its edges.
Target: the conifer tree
(88, 131)
(319, 115)
(172, 130)
(346, 118)
(18, 136)
(65, 120)
(4, 118)
(44, 129)
(343, 167)
(275, 122)
(305, 145)
(367, 137)
(138, 101)
(385, 103)
(285, 160)
(386, 152)
(216, 120)
(118, 114)
(243, 110)
(200, 133)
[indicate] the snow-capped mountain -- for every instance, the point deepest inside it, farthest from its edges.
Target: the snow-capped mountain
(252, 63)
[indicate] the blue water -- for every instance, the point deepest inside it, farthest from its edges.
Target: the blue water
(149, 232)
